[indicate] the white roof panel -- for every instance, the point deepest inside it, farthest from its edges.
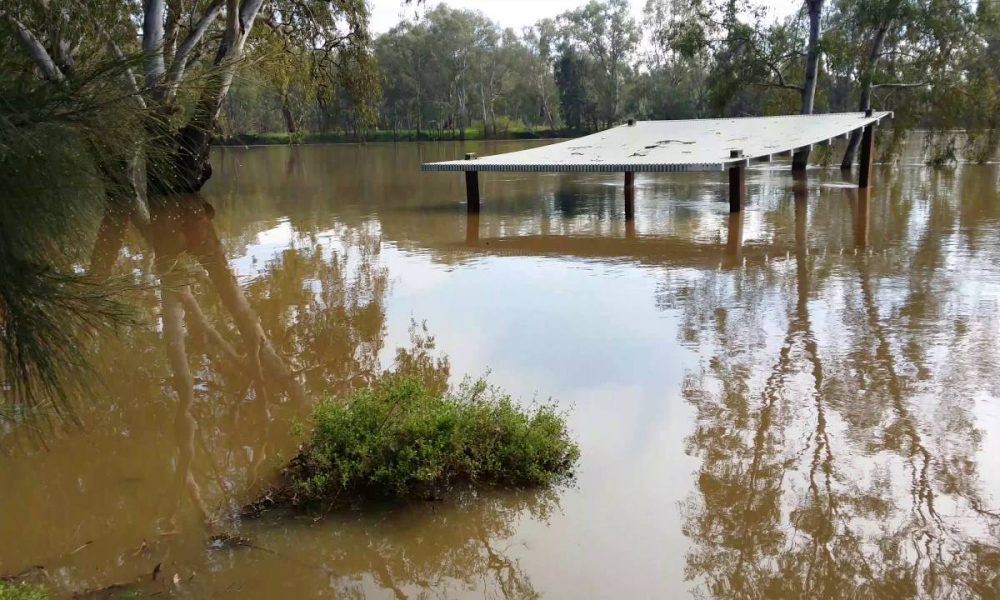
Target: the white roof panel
(688, 145)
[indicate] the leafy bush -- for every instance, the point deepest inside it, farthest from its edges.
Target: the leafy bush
(21, 591)
(402, 439)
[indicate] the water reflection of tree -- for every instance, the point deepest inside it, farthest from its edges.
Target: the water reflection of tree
(838, 457)
(463, 548)
(183, 411)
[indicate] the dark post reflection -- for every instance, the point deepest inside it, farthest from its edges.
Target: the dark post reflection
(860, 212)
(734, 238)
(472, 228)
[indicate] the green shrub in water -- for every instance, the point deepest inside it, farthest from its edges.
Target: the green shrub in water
(402, 439)
(21, 591)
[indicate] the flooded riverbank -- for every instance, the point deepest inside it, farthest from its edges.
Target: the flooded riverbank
(801, 401)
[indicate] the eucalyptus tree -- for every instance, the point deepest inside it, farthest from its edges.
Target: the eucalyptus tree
(489, 69)
(749, 50)
(190, 53)
(608, 35)
(814, 10)
(539, 40)
(404, 60)
(577, 97)
(912, 52)
(668, 85)
(108, 105)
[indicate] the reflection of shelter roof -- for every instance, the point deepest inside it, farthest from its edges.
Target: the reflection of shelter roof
(651, 251)
(661, 146)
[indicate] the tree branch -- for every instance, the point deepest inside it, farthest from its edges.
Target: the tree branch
(780, 86)
(152, 41)
(37, 52)
(899, 85)
(179, 64)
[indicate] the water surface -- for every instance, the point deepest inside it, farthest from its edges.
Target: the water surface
(799, 401)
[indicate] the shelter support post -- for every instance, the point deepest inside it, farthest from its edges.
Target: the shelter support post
(471, 186)
(867, 156)
(737, 183)
(629, 195)
(734, 240)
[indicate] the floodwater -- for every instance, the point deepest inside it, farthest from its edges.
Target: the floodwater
(802, 401)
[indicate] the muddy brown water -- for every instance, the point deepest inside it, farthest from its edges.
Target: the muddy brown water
(802, 401)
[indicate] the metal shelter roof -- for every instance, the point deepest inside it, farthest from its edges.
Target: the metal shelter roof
(661, 146)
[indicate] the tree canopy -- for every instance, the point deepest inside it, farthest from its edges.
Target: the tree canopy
(451, 72)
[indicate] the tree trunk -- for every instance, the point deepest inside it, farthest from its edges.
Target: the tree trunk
(482, 102)
(801, 157)
(286, 112)
(184, 168)
(865, 97)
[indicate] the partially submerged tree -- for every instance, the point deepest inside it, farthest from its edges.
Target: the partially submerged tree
(190, 52)
(814, 11)
(913, 54)
(748, 51)
(111, 107)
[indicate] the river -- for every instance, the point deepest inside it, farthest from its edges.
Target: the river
(800, 401)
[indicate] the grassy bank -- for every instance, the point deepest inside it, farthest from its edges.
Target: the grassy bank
(401, 135)
(400, 439)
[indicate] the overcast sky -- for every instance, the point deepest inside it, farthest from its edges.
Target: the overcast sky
(516, 13)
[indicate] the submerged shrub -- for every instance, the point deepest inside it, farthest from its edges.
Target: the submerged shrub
(400, 438)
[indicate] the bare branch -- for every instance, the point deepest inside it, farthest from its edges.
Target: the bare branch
(899, 85)
(780, 86)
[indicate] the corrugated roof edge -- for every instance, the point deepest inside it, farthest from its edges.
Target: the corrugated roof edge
(482, 164)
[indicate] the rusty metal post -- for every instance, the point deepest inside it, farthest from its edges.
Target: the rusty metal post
(867, 156)
(629, 195)
(737, 183)
(472, 186)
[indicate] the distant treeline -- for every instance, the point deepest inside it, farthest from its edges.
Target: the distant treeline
(456, 74)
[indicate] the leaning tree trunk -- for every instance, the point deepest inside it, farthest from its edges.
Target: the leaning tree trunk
(184, 167)
(286, 112)
(801, 157)
(865, 97)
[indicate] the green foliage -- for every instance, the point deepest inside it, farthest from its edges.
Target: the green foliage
(21, 591)
(56, 147)
(401, 438)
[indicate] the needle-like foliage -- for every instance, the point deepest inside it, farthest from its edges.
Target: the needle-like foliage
(56, 143)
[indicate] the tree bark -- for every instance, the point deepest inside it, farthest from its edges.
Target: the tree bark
(186, 168)
(865, 97)
(801, 157)
(152, 41)
(286, 112)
